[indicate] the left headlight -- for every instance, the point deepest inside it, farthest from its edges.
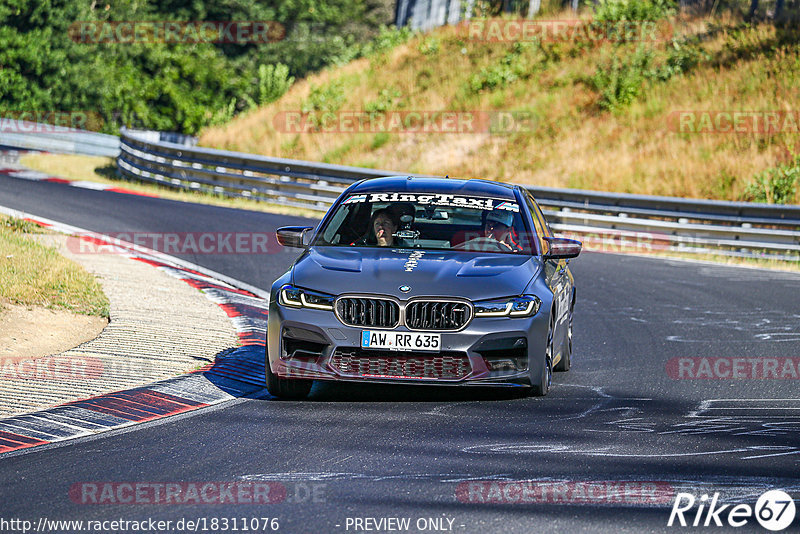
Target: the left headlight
(305, 298)
(525, 306)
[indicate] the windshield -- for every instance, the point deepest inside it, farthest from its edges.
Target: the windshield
(428, 220)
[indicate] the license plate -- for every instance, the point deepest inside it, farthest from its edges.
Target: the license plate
(389, 340)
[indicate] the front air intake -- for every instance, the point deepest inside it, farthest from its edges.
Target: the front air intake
(437, 315)
(368, 312)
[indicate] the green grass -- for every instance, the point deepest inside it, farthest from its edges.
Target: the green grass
(32, 274)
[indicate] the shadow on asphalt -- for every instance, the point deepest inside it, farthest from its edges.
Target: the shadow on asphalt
(353, 392)
(237, 371)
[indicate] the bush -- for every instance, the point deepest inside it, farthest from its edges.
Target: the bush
(778, 185)
(388, 37)
(619, 10)
(429, 46)
(510, 68)
(681, 58)
(386, 100)
(225, 114)
(324, 98)
(623, 80)
(273, 82)
(380, 139)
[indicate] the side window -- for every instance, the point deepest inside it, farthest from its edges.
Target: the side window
(546, 223)
(548, 231)
(538, 222)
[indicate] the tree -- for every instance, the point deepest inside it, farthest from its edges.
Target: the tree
(778, 9)
(753, 8)
(170, 86)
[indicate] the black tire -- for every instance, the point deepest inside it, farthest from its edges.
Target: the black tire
(286, 388)
(541, 388)
(565, 362)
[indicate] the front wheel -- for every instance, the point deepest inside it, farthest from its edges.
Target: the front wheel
(566, 357)
(286, 388)
(541, 387)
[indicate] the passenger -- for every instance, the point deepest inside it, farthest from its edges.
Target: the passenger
(498, 226)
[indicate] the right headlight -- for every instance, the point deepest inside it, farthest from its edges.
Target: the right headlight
(525, 306)
(305, 298)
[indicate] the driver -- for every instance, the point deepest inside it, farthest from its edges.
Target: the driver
(498, 226)
(382, 226)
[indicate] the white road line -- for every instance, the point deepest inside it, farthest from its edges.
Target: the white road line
(710, 405)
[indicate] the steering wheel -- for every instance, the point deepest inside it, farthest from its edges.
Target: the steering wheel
(481, 244)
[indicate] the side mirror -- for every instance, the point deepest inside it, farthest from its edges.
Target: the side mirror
(562, 248)
(293, 236)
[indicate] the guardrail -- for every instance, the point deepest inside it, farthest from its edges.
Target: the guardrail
(26, 135)
(21, 134)
(605, 221)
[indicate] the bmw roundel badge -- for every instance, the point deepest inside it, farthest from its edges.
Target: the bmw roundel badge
(405, 289)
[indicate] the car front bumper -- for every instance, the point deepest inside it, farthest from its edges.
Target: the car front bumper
(313, 344)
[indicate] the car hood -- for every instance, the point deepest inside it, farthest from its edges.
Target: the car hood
(428, 272)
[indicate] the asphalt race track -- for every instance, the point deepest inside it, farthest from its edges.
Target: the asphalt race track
(647, 407)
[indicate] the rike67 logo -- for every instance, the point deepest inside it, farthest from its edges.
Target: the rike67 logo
(774, 510)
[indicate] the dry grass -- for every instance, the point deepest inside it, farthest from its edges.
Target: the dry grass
(574, 142)
(102, 170)
(32, 274)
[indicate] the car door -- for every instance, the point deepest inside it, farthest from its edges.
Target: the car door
(556, 275)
